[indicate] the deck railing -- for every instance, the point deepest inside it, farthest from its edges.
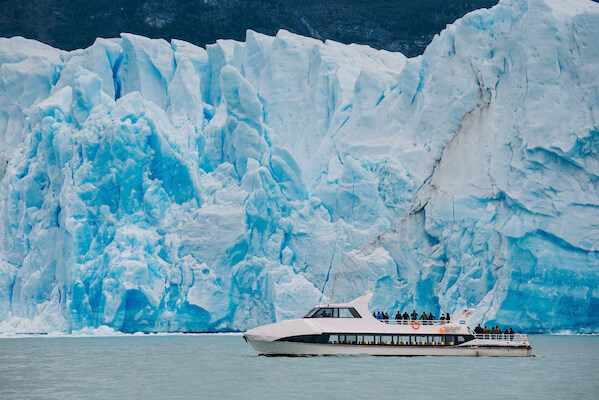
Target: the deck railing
(516, 337)
(409, 321)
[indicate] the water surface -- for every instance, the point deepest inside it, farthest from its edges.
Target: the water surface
(219, 366)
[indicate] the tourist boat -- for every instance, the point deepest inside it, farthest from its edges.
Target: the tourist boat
(349, 328)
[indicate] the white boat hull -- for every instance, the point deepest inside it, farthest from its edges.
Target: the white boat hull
(282, 348)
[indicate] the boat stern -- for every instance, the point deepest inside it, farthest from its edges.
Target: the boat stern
(501, 345)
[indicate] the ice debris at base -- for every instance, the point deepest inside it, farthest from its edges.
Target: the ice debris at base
(154, 186)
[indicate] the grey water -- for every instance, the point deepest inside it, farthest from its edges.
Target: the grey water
(224, 366)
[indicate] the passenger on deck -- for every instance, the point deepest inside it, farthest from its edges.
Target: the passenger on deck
(424, 318)
(405, 315)
(379, 316)
(506, 332)
(431, 317)
(447, 316)
(478, 329)
(398, 316)
(512, 331)
(414, 315)
(486, 330)
(442, 317)
(385, 316)
(374, 314)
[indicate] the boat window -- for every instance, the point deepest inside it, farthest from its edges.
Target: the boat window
(354, 313)
(311, 312)
(326, 312)
(322, 313)
(323, 338)
(348, 313)
(386, 340)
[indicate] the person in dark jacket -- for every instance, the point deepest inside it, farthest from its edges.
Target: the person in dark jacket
(478, 330)
(414, 315)
(447, 317)
(398, 316)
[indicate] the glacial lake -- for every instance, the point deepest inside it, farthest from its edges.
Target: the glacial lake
(224, 366)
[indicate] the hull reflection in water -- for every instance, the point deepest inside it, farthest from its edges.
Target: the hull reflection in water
(349, 328)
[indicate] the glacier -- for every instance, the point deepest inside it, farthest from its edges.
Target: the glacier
(164, 187)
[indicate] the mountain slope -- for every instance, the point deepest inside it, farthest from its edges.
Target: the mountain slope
(407, 26)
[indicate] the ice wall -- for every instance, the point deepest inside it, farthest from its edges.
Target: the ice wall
(155, 186)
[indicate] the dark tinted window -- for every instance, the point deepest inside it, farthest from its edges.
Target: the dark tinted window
(311, 312)
(324, 338)
(323, 313)
(330, 312)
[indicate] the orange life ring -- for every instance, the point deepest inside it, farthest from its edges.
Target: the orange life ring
(441, 330)
(415, 324)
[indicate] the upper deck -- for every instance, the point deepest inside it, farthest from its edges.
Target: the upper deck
(355, 317)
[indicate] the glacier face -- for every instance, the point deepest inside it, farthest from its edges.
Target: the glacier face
(155, 186)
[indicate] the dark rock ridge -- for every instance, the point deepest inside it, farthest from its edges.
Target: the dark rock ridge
(406, 26)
